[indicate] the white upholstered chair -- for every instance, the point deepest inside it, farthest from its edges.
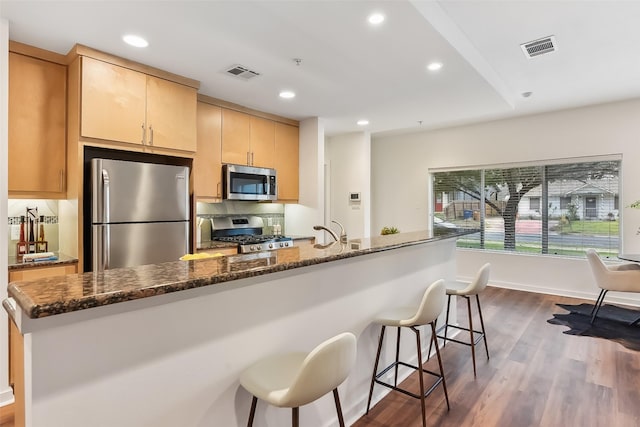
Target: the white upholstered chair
(294, 379)
(619, 278)
(468, 290)
(424, 313)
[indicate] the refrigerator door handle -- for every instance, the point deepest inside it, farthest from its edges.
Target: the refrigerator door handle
(106, 246)
(105, 195)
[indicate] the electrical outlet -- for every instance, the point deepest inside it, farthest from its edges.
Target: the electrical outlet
(15, 232)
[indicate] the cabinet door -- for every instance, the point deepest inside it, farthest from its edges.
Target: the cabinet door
(37, 116)
(262, 145)
(287, 161)
(113, 102)
(207, 164)
(236, 131)
(171, 115)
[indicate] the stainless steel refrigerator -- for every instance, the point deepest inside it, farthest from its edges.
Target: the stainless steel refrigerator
(140, 213)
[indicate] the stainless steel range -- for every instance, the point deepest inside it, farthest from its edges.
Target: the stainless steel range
(247, 233)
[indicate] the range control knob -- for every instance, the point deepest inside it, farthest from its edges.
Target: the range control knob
(270, 245)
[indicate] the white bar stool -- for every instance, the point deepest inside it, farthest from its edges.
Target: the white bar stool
(411, 317)
(295, 379)
(467, 290)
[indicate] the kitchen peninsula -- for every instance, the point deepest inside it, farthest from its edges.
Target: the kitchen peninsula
(164, 344)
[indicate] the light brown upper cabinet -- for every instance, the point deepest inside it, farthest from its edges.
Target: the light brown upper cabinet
(247, 139)
(207, 163)
(287, 161)
(123, 105)
(37, 132)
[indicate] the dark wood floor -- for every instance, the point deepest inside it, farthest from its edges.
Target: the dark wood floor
(537, 376)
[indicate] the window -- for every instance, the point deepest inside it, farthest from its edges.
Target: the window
(565, 201)
(553, 208)
(534, 203)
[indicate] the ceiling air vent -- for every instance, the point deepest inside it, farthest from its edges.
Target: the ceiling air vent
(242, 72)
(539, 47)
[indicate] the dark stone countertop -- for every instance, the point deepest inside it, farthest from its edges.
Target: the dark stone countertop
(16, 264)
(63, 294)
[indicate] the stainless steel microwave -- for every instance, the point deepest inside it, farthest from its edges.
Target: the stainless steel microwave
(249, 183)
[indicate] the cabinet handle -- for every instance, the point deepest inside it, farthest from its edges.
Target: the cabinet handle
(248, 162)
(219, 189)
(252, 158)
(151, 134)
(144, 134)
(61, 180)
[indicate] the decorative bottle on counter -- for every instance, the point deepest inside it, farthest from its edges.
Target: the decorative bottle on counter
(22, 245)
(41, 244)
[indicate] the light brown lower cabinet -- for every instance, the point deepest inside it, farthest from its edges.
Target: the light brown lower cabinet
(16, 340)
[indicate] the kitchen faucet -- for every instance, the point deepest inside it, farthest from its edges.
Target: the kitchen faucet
(343, 235)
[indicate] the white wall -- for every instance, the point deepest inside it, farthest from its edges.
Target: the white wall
(6, 395)
(349, 157)
(300, 218)
(400, 170)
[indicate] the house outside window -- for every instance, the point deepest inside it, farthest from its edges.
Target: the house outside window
(558, 207)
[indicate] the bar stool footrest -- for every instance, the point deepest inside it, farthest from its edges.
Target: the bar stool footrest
(479, 334)
(401, 390)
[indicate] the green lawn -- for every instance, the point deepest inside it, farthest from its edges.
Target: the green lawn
(589, 227)
(533, 249)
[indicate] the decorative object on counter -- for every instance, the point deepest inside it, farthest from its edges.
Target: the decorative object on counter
(22, 246)
(389, 230)
(44, 256)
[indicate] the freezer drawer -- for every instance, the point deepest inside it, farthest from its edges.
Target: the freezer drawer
(128, 245)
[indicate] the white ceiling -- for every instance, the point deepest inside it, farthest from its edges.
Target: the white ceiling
(351, 70)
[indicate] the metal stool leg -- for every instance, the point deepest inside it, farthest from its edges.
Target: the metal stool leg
(295, 417)
(434, 339)
(484, 333)
(395, 379)
(336, 398)
(375, 368)
(473, 344)
(420, 376)
(596, 308)
(252, 413)
(446, 322)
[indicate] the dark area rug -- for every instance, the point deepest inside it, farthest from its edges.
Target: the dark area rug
(612, 323)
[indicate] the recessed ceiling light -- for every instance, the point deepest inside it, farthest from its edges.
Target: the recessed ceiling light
(376, 18)
(287, 94)
(526, 94)
(363, 122)
(434, 66)
(134, 40)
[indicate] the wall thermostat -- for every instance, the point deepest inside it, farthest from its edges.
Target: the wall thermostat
(354, 197)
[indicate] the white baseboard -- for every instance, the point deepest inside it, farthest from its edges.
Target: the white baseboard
(612, 297)
(6, 397)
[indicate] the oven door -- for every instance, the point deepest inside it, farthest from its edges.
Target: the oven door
(249, 183)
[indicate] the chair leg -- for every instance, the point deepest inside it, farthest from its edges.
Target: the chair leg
(600, 296)
(420, 377)
(336, 398)
(473, 344)
(434, 339)
(252, 413)
(431, 341)
(446, 321)
(375, 368)
(295, 417)
(484, 333)
(395, 379)
(596, 308)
